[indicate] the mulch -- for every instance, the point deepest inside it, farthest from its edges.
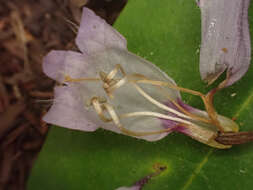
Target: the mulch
(29, 29)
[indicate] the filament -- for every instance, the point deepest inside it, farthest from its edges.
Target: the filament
(158, 104)
(116, 121)
(155, 114)
(69, 79)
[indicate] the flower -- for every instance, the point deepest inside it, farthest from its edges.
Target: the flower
(106, 86)
(225, 43)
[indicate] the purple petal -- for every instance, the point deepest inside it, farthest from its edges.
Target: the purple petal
(225, 39)
(58, 64)
(69, 111)
(53, 62)
(95, 34)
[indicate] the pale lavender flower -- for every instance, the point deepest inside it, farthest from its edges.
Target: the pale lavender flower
(107, 86)
(225, 43)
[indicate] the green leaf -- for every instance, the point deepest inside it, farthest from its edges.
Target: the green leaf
(166, 32)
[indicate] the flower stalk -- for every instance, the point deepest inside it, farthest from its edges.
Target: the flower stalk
(233, 138)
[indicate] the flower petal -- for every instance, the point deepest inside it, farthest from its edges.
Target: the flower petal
(68, 111)
(95, 34)
(53, 64)
(58, 64)
(225, 39)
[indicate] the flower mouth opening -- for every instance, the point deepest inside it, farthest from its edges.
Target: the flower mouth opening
(107, 113)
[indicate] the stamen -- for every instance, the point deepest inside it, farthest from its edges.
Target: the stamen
(99, 109)
(161, 83)
(111, 84)
(152, 100)
(69, 79)
(158, 104)
(206, 100)
(116, 121)
(110, 89)
(162, 106)
(191, 115)
(114, 72)
(187, 115)
(156, 114)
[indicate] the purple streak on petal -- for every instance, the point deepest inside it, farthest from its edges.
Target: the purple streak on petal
(58, 64)
(192, 109)
(182, 104)
(187, 107)
(225, 40)
(95, 34)
(182, 129)
(173, 124)
(68, 111)
(168, 124)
